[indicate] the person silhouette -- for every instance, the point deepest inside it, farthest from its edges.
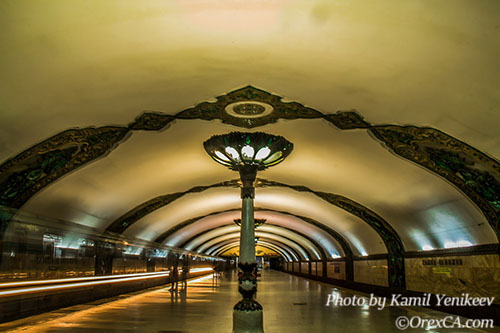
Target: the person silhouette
(185, 271)
(173, 264)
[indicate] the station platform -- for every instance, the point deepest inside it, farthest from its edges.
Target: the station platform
(291, 304)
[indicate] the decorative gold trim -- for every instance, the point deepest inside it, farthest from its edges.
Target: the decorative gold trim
(471, 171)
(28, 172)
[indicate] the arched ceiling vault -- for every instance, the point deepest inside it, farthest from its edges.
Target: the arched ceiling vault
(200, 242)
(290, 251)
(414, 169)
(371, 218)
(296, 234)
(220, 250)
(260, 250)
(302, 251)
(330, 240)
(300, 188)
(92, 143)
(218, 199)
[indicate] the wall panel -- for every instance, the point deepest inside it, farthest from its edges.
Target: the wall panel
(477, 275)
(371, 272)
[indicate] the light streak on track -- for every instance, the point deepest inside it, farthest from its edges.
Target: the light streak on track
(87, 278)
(14, 292)
(201, 269)
(16, 288)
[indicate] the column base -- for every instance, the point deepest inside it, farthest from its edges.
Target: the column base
(248, 321)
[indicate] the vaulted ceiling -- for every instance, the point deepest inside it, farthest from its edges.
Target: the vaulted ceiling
(104, 107)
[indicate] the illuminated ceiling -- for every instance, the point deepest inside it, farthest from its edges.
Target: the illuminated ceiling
(348, 183)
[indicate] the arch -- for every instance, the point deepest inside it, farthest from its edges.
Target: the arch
(297, 248)
(291, 252)
(346, 248)
(282, 252)
(389, 236)
(279, 230)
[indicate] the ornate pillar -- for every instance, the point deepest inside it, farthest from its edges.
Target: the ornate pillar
(247, 313)
(247, 153)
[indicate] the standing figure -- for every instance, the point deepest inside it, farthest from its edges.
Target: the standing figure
(173, 264)
(218, 270)
(185, 271)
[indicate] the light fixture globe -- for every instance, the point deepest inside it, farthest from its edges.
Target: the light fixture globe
(238, 150)
(257, 222)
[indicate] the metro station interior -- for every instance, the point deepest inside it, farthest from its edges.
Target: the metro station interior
(116, 217)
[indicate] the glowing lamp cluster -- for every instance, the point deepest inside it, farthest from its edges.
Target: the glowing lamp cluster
(257, 149)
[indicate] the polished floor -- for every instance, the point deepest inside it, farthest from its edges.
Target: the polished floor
(291, 304)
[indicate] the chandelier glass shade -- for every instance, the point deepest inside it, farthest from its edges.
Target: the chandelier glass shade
(258, 222)
(239, 149)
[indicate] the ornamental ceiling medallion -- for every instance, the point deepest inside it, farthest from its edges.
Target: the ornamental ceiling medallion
(249, 107)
